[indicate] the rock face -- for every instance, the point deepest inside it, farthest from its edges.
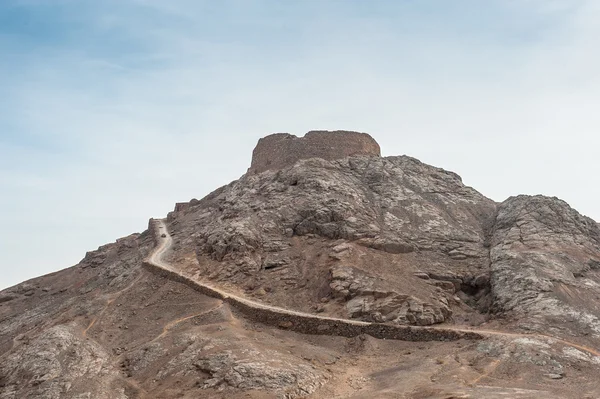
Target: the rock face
(280, 232)
(545, 264)
(369, 299)
(58, 361)
(259, 370)
(282, 149)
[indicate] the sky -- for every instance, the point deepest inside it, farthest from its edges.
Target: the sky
(111, 111)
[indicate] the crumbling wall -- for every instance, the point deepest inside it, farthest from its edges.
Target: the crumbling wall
(277, 151)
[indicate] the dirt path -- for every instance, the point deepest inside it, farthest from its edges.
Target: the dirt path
(164, 244)
(113, 297)
(584, 348)
(173, 323)
(165, 241)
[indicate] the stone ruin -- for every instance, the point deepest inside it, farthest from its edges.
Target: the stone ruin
(280, 150)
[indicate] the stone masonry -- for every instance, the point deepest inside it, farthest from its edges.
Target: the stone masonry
(279, 150)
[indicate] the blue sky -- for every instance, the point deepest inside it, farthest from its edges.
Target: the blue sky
(111, 111)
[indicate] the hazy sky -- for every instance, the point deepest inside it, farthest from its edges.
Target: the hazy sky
(111, 111)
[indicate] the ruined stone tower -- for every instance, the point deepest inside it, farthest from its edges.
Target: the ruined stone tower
(279, 150)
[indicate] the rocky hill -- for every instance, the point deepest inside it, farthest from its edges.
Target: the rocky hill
(325, 229)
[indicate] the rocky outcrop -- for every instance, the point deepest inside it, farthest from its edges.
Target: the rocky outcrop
(273, 232)
(59, 363)
(257, 371)
(373, 299)
(396, 204)
(226, 366)
(544, 261)
(281, 150)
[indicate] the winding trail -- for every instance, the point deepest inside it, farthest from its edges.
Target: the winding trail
(114, 296)
(174, 323)
(309, 323)
(164, 244)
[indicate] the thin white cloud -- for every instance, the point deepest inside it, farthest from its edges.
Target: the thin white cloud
(176, 112)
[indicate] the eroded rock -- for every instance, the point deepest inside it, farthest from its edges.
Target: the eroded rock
(541, 254)
(372, 299)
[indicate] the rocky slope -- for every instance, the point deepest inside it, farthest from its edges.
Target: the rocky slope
(385, 240)
(545, 266)
(382, 239)
(108, 329)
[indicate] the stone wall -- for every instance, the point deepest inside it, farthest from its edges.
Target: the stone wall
(181, 206)
(315, 325)
(277, 151)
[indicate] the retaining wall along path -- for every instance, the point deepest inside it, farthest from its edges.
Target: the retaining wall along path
(300, 322)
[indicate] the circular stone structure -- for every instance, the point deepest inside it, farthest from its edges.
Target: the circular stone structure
(280, 150)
